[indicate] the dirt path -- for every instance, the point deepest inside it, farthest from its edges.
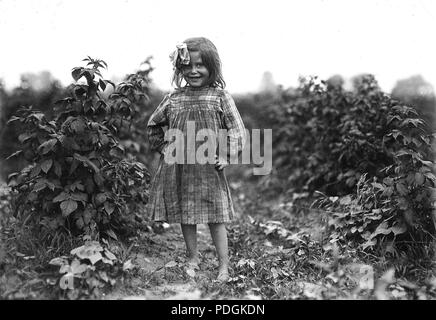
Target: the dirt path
(162, 270)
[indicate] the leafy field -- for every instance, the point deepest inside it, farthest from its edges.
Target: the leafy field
(346, 213)
(278, 251)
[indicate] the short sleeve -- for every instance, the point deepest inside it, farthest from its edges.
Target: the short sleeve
(232, 121)
(157, 120)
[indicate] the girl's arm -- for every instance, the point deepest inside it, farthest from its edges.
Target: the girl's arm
(236, 136)
(157, 120)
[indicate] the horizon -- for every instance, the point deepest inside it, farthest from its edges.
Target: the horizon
(39, 81)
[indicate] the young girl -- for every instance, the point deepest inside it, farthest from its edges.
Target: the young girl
(187, 193)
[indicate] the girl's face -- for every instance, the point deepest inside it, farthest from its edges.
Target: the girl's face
(196, 73)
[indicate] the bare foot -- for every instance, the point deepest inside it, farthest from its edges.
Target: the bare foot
(223, 274)
(192, 263)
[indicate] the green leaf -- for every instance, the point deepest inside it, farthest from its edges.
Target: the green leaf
(128, 265)
(102, 84)
(46, 165)
(91, 251)
(390, 118)
(14, 154)
(111, 234)
(88, 249)
(403, 152)
(77, 73)
(77, 267)
(37, 116)
(12, 119)
(25, 136)
(66, 281)
(419, 178)
(76, 185)
(427, 163)
(57, 169)
(47, 146)
(86, 162)
(109, 255)
(100, 198)
(381, 229)
(59, 261)
(35, 171)
(104, 276)
(79, 196)
(171, 264)
(94, 258)
(399, 229)
(68, 207)
(61, 197)
(40, 185)
(52, 185)
(109, 207)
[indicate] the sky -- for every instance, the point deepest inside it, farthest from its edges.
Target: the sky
(391, 39)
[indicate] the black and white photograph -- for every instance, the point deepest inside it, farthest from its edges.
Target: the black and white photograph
(232, 152)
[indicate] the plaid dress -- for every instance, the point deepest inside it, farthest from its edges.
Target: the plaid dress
(193, 193)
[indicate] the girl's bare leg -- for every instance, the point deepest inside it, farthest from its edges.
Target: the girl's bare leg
(219, 237)
(190, 235)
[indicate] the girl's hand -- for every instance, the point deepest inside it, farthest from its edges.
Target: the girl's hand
(220, 163)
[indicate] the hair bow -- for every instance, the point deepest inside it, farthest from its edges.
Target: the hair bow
(182, 53)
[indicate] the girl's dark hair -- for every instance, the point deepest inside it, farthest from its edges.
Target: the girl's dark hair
(211, 60)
